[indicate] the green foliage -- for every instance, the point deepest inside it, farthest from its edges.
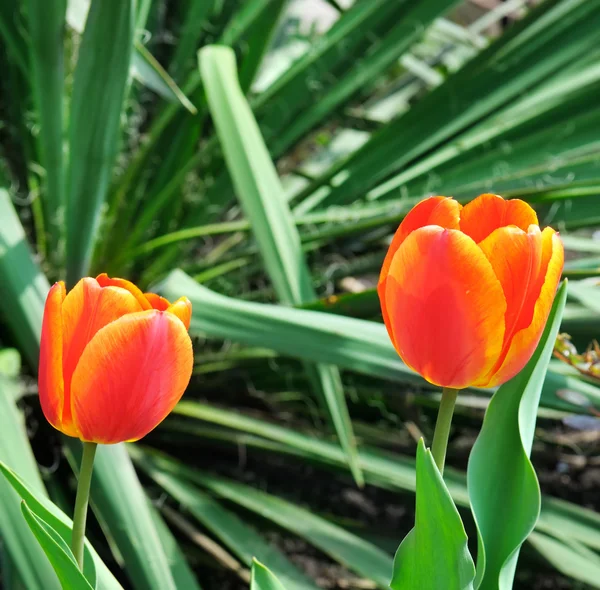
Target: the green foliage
(57, 551)
(434, 554)
(119, 154)
(503, 487)
(263, 579)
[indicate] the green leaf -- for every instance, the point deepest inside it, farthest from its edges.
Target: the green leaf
(387, 470)
(99, 86)
(263, 579)
(23, 287)
(57, 551)
(262, 197)
(95, 569)
(503, 487)
(182, 573)
(119, 498)
(46, 22)
(434, 554)
(26, 554)
(147, 70)
(144, 66)
(569, 557)
(346, 548)
(240, 538)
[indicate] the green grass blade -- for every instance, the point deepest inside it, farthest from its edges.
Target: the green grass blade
(46, 23)
(434, 554)
(62, 524)
(147, 70)
(569, 559)
(503, 487)
(182, 573)
(348, 549)
(233, 532)
(387, 470)
(26, 555)
(23, 287)
(120, 500)
(99, 87)
(261, 195)
(58, 552)
(263, 578)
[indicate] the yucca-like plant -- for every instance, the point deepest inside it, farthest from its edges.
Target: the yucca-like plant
(274, 196)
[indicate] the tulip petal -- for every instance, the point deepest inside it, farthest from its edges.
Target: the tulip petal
(130, 376)
(480, 217)
(441, 211)
(182, 308)
(87, 308)
(50, 374)
(105, 281)
(157, 302)
(525, 340)
(446, 307)
(516, 257)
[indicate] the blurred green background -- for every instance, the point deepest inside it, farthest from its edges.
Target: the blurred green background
(263, 177)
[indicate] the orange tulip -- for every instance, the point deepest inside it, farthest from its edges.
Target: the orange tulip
(113, 361)
(466, 291)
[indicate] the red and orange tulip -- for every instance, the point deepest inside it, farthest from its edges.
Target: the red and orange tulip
(114, 361)
(466, 291)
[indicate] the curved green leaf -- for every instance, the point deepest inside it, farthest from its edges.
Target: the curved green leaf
(119, 499)
(503, 487)
(240, 538)
(262, 197)
(57, 551)
(25, 553)
(434, 554)
(94, 568)
(263, 579)
(349, 549)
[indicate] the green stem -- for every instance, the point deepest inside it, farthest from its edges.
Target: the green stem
(81, 501)
(442, 427)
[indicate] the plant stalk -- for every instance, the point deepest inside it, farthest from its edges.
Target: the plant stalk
(442, 427)
(81, 501)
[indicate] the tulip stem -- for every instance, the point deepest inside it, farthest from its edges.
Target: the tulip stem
(442, 427)
(81, 501)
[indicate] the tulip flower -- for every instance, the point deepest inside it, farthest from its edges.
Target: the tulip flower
(466, 291)
(114, 361)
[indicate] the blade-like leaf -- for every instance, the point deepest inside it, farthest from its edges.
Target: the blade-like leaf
(261, 195)
(120, 500)
(570, 560)
(434, 554)
(26, 554)
(503, 487)
(23, 287)
(99, 86)
(57, 551)
(46, 22)
(182, 573)
(263, 579)
(94, 568)
(233, 532)
(390, 471)
(355, 553)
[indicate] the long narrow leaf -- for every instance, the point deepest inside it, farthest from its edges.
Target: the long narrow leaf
(503, 487)
(263, 200)
(46, 22)
(99, 86)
